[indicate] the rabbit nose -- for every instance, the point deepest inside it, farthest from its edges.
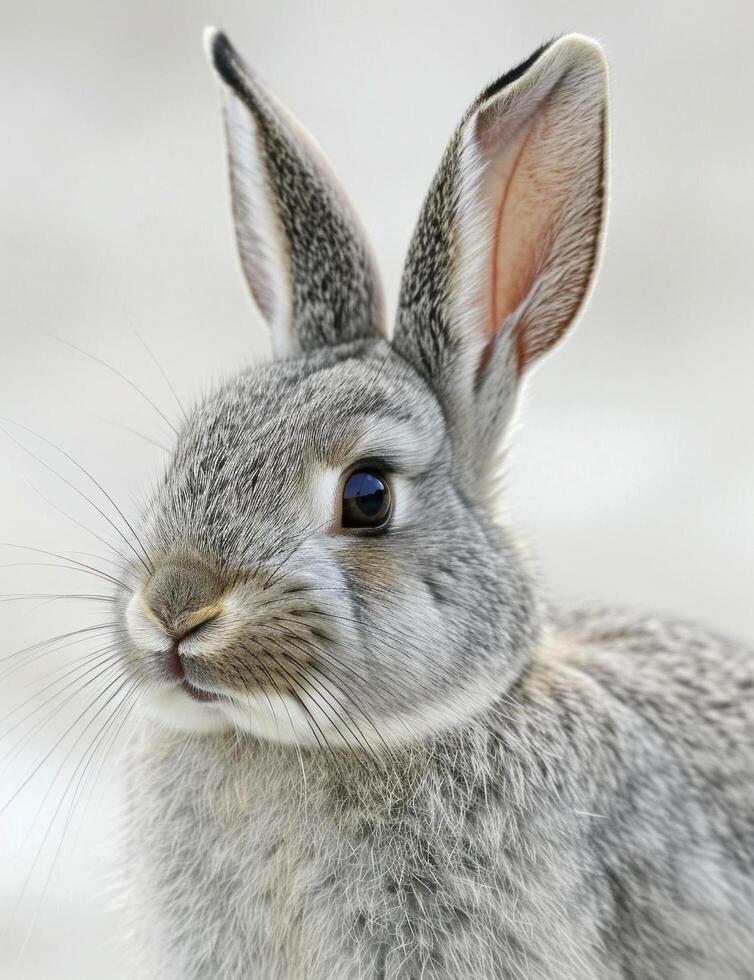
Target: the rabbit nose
(182, 594)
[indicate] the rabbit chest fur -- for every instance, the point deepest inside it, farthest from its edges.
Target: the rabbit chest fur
(597, 823)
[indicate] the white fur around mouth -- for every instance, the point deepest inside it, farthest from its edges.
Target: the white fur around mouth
(199, 694)
(176, 707)
(276, 718)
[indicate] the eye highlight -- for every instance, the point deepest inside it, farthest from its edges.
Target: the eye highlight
(367, 503)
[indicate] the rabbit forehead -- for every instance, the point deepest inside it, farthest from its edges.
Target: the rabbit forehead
(315, 409)
(254, 453)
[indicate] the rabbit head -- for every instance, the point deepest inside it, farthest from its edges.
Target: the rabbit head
(322, 565)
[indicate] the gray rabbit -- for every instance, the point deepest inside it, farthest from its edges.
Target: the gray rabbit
(373, 752)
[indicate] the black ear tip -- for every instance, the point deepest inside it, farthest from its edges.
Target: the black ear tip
(213, 39)
(222, 55)
(515, 73)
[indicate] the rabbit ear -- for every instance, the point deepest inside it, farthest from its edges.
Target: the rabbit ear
(508, 237)
(303, 252)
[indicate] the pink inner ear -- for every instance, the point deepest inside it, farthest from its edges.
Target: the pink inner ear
(531, 185)
(542, 187)
(511, 268)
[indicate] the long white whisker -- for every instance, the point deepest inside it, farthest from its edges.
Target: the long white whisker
(143, 558)
(119, 374)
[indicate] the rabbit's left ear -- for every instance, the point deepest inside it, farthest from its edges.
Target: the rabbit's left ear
(507, 241)
(303, 252)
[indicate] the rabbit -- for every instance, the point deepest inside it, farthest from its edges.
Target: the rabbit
(372, 750)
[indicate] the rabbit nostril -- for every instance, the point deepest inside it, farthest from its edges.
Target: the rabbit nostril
(174, 663)
(182, 624)
(191, 622)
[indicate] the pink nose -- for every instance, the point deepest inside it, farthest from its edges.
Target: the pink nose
(181, 596)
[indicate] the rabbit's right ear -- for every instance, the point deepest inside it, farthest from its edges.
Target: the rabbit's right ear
(303, 252)
(506, 244)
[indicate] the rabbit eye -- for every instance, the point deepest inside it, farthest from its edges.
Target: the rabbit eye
(366, 501)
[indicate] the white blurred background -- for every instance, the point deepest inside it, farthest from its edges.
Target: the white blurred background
(633, 476)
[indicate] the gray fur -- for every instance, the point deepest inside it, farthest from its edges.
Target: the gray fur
(328, 269)
(416, 771)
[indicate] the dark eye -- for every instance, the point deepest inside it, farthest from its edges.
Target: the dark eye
(366, 500)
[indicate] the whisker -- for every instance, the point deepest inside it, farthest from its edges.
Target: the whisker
(53, 596)
(327, 693)
(54, 639)
(164, 376)
(123, 377)
(42, 654)
(103, 672)
(269, 677)
(298, 693)
(294, 622)
(269, 702)
(133, 432)
(84, 527)
(296, 746)
(88, 754)
(390, 351)
(72, 567)
(78, 490)
(275, 571)
(258, 663)
(85, 761)
(300, 589)
(346, 690)
(82, 469)
(398, 650)
(337, 669)
(134, 695)
(97, 655)
(314, 612)
(110, 561)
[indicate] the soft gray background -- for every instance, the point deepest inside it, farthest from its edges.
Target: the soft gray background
(633, 476)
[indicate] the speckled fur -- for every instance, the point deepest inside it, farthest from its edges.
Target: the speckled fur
(497, 791)
(597, 822)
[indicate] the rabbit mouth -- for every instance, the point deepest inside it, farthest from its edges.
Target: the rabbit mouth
(198, 693)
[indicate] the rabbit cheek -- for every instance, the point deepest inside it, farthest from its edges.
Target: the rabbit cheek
(372, 566)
